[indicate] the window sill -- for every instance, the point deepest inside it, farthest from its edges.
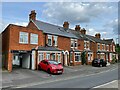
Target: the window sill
(77, 61)
(34, 43)
(22, 43)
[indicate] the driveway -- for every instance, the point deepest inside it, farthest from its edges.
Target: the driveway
(23, 76)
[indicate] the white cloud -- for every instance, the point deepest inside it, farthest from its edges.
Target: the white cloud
(112, 25)
(58, 12)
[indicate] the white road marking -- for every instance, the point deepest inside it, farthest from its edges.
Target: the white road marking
(103, 85)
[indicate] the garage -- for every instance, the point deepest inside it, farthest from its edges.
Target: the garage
(21, 59)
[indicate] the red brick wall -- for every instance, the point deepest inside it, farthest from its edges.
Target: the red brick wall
(80, 44)
(14, 38)
(93, 47)
(64, 43)
(5, 47)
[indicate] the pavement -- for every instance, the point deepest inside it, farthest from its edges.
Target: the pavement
(19, 77)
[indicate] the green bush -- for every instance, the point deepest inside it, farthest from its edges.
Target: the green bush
(114, 60)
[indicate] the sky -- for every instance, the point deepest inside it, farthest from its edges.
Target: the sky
(95, 17)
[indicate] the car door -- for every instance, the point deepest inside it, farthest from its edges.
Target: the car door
(44, 65)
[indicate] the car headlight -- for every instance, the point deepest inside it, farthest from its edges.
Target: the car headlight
(53, 68)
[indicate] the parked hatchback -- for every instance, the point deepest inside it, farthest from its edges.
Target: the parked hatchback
(51, 66)
(99, 62)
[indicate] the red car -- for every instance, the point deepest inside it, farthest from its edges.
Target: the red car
(51, 66)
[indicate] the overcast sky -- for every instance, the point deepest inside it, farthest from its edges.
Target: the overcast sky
(96, 17)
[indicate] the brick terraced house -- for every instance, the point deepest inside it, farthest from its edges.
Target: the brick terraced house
(27, 46)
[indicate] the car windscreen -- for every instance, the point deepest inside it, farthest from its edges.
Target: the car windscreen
(53, 62)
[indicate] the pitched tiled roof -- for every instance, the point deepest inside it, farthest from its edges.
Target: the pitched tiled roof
(88, 37)
(108, 41)
(53, 29)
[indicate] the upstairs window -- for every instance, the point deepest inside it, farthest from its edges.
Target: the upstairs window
(74, 43)
(103, 47)
(107, 47)
(49, 40)
(55, 40)
(98, 46)
(33, 38)
(86, 45)
(23, 38)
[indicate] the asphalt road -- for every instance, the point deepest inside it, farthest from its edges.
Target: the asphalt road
(89, 81)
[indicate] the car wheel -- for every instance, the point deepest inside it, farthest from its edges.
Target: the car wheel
(101, 65)
(49, 71)
(39, 67)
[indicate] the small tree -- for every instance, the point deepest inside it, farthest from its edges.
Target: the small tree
(83, 57)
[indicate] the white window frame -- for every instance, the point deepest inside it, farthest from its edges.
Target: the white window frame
(99, 46)
(33, 37)
(107, 47)
(103, 46)
(55, 40)
(85, 45)
(41, 54)
(73, 41)
(23, 35)
(50, 37)
(52, 57)
(77, 55)
(47, 56)
(59, 57)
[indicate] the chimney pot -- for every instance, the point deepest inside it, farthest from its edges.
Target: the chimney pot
(66, 25)
(83, 31)
(97, 35)
(32, 15)
(77, 28)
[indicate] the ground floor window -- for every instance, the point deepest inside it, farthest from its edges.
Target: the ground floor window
(41, 57)
(59, 57)
(77, 57)
(48, 56)
(102, 56)
(53, 56)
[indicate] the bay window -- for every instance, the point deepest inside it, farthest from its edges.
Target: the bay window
(77, 57)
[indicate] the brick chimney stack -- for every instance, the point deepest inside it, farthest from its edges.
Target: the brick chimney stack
(83, 31)
(66, 25)
(32, 15)
(77, 28)
(97, 35)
